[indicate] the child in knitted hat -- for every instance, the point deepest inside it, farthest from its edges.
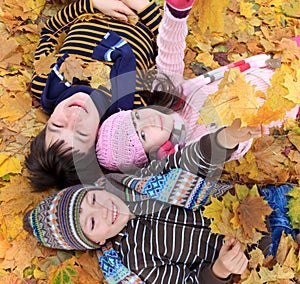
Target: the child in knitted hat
(89, 217)
(129, 139)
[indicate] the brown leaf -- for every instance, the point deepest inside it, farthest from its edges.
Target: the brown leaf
(44, 64)
(72, 68)
(252, 212)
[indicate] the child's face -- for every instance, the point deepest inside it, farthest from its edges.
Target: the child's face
(76, 121)
(154, 128)
(102, 215)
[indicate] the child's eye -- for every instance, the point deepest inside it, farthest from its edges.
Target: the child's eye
(136, 114)
(143, 135)
(56, 125)
(81, 134)
(92, 223)
(94, 199)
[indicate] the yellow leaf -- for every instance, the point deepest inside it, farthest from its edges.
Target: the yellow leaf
(207, 11)
(44, 64)
(9, 165)
(214, 210)
(253, 278)
(256, 258)
(99, 73)
(246, 9)
(293, 86)
(235, 98)
(4, 246)
(15, 106)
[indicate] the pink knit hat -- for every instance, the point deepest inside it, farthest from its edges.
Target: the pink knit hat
(118, 146)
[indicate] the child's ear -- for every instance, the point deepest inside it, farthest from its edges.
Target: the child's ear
(102, 243)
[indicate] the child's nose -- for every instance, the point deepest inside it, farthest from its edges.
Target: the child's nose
(72, 119)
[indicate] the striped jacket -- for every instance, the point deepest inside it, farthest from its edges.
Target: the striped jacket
(85, 28)
(169, 244)
(169, 241)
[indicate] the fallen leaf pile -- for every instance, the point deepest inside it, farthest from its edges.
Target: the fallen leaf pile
(220, 32)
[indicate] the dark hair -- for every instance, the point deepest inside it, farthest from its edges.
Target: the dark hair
(26, 225)
(164, 93)
(59, 166)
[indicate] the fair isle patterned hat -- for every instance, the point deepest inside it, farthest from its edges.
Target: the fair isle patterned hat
(55, 221)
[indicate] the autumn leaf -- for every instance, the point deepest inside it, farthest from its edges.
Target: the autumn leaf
(9, 165)
(64, 273)
(293, 206)
(15, 106)
(253, 278)
(256, 258)
(278, 272)
(252, 212)
(44, 64)
(229, 102)
(72, 68)
(214, 210)
(99, 73)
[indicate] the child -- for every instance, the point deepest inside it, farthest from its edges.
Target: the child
(67, 208)
(75, 107)
(159, 242)
(128, 139)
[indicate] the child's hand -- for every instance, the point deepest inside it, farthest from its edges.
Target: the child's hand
(234, 134)
(231, 259)
(114, 8)
(136, 4)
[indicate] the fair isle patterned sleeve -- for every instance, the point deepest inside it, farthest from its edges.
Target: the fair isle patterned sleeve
(201, 158)
(51, 33)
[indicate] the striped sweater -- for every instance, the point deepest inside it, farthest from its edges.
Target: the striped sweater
(152, 246)
(85, 28)
(168, 244)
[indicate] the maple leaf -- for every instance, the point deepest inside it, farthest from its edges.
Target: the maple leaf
(90, 271)
(278, 272)
(293, 206)
(206, 10)
(15, 106)
(230, 102)
(277, 92)
(9, 165)
(286, 245)
(65, 273)
(253, 278)
(213, 211)
(72, 68)
(252, 212)
(99, 73)
(256, 258)
(44, 64)
(294, 137)
(8, 52)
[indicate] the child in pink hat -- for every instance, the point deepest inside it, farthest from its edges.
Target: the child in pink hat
(128, 139)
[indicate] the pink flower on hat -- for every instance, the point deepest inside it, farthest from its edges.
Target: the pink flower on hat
(118, 146)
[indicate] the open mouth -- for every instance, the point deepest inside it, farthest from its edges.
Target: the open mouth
(115, 213)
(78, 106)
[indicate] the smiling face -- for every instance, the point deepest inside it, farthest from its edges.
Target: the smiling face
(74, 120)
(154, 128)
(102, 215)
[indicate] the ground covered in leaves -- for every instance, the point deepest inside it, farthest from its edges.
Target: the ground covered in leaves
(221, 31)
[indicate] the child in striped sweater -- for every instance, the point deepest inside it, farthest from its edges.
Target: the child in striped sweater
(75, 108)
